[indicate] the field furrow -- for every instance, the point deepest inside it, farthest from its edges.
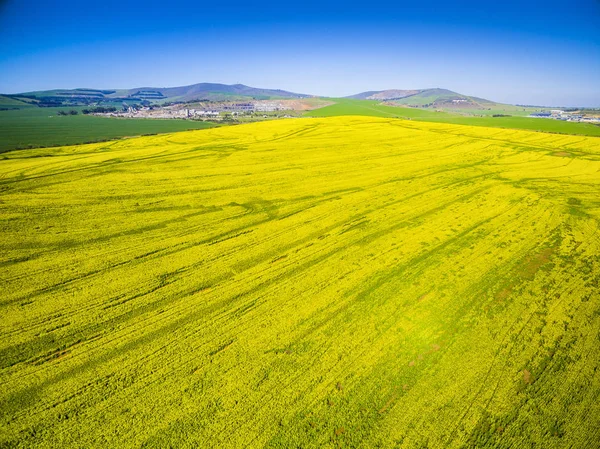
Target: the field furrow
(334, 282)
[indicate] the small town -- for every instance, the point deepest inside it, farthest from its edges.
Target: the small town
(567, 116)
(213, 111)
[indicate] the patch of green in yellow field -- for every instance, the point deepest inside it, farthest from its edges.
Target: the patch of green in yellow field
(316, 283)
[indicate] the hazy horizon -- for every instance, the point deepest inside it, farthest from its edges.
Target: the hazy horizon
(533, 53)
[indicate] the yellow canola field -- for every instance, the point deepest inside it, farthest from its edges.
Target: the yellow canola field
(316, 283)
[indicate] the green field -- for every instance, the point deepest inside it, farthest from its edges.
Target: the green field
(31, 127)
(345, 106)
(8, 102)
(41, 127)
(373, 108)
(352, 282)
(505, 109)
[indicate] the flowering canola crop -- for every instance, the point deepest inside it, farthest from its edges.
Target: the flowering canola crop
(335, 282)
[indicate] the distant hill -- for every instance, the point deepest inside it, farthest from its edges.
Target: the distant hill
(434, 98)
(365, 95)
(384, 95)
(424, 97)
(201, 91)
(7, 102)
(210, 91)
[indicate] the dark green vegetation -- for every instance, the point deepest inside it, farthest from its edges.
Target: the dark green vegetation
(42, 127)
(346, 106)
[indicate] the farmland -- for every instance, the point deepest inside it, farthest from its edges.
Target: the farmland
(318, 283)
(25, 126)
(31, 126)
(345, 106)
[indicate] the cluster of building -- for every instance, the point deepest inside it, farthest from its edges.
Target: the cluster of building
(214, 111)
(559, 114)
(162, 112)
(256, 106)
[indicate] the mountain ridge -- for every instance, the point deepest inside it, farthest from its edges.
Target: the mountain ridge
(191, 92)
(422, 97)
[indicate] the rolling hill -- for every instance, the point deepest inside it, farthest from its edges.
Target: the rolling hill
(7, 102)
(435, 97)
(390, 94)
(200, 91)
(210, 91)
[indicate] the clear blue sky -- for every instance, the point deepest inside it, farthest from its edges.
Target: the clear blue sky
(542, 52)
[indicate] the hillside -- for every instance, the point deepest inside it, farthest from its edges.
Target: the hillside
(317, 283)
(201, 91)
(210, 91)
(383, 95)
(436, 97)
(7, 102)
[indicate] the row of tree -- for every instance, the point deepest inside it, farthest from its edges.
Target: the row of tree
(99, 109)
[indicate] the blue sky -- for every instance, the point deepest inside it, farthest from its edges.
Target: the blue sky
(517, 52)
